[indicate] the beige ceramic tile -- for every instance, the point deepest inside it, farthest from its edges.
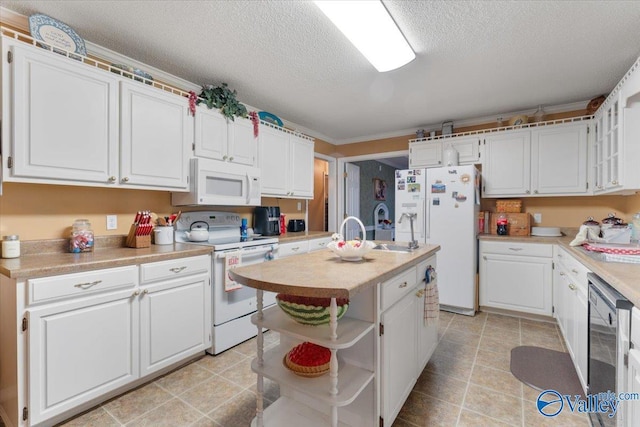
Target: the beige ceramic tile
(183, 379)
(399, 422)
(423, 410)
(469, 324)
(222, 361)
(444, 364)
(537, 324)
(205, 422)
(442, 387)
(211, 394)
(248, 348)
(494, 360)
(502, 334)
(240, 374)
(137, 402)
(462, 337)
(474, 419)
(552, 343)
(497, 380)
(95, 418)
(566, 418)
(239, 411)
(503, 407)
(459, 349)
(502, 321)
(502, 346)
(271, 390)
(173, 413)
(529, 393)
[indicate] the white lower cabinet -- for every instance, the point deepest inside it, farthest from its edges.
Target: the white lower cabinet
(80, 350)
(516, 276)
(85, 335)
(632, 410)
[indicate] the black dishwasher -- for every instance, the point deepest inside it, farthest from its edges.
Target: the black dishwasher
(609, 328)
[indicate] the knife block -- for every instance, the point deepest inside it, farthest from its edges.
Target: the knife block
(137, 242)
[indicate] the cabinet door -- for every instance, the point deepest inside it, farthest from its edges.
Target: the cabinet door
(211, 134)
(427, 333)
(156, 137)
(581, 335)
(425, 154)
(468, 149)
(175, 321)
(65, 119)
(301, 164)
(274, 161)
(79, 351)
(560, 302)
(516, 283)
(559, 159)
(597, 155)
(399, 356)
(612, 134)
(506, 168)
(243, 147)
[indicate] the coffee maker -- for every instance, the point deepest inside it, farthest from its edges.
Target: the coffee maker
(266, 220)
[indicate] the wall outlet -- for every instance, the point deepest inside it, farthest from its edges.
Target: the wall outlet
(112, 222)
(299, 206)
(537, 218)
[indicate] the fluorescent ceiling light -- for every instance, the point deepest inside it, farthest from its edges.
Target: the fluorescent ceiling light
(370, 28)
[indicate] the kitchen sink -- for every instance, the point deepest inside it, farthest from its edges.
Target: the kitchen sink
(393, 248)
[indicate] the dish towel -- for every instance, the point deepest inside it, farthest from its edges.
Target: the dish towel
(431, 298)
(232, 260)
(585, 235)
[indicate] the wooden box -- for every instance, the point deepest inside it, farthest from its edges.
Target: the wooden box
(518, 224)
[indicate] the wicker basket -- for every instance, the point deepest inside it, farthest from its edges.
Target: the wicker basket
(512, 206)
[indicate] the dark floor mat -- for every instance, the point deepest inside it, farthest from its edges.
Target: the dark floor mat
(545, 369)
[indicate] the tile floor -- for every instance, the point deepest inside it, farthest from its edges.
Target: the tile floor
(467, 382)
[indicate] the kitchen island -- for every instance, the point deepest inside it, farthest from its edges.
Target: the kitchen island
(378, 348)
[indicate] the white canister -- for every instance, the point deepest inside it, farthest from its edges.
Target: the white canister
(11, 246)
(163, 235)
(451, 156)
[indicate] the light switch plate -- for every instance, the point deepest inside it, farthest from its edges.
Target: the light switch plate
(537, 218)
(112, 222)
(299, 206)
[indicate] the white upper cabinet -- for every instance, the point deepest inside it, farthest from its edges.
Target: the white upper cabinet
(468, 148)
(425, 154)
(559, 159)
(226, 140)
(60, 119)
(286, 164)
(615, 152)
(156, 134)
(548, 160)
(506, 170)
(66, 122)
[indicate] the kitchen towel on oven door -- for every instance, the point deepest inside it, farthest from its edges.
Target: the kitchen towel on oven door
(232, 259)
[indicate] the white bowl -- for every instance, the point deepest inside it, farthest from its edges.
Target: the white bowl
(546, 231)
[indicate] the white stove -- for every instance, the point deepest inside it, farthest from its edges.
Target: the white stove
(232, 309)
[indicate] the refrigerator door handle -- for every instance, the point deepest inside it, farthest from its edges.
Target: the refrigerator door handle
(427, 218)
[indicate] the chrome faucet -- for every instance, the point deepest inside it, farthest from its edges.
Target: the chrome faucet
(413, 244)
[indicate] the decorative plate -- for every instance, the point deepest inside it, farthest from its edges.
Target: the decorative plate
(56, 34)
(131, 72)
(270, 118)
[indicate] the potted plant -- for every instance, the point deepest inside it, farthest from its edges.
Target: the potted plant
(224, 99)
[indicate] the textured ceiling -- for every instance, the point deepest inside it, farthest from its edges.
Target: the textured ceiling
(474, 58)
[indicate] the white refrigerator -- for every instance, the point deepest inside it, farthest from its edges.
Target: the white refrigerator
(446, 201)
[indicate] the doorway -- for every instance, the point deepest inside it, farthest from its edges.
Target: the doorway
(321, 211)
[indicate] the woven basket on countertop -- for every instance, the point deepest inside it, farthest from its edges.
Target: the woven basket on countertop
(511, 205)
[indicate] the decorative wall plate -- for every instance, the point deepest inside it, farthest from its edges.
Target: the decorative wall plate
(56, 34)
(270, 118)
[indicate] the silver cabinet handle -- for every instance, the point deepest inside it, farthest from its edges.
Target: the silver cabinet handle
(572, 286)
(224, 157)
(295, 249)
(515, 249)
(112, 179)
(562, 274)
(535, 191)
(125, 179)
(231, 159)
(146, 291)
(87, 285)
(403, 285)
(574, 271)
(177, 269)
(528, 192)
(614, 182)
(136, 293)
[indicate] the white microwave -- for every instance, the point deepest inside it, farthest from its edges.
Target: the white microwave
(220, 184)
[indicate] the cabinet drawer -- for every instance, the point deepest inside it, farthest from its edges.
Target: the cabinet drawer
(394, 289)
(77, 284)
(293, 248)
(318, 244)
(575, 269)
(174, 268)
(517, 248)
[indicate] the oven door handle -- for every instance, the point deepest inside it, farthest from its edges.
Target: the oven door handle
(249, 252)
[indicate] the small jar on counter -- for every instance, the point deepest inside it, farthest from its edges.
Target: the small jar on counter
(11, 246)
(81, 236)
